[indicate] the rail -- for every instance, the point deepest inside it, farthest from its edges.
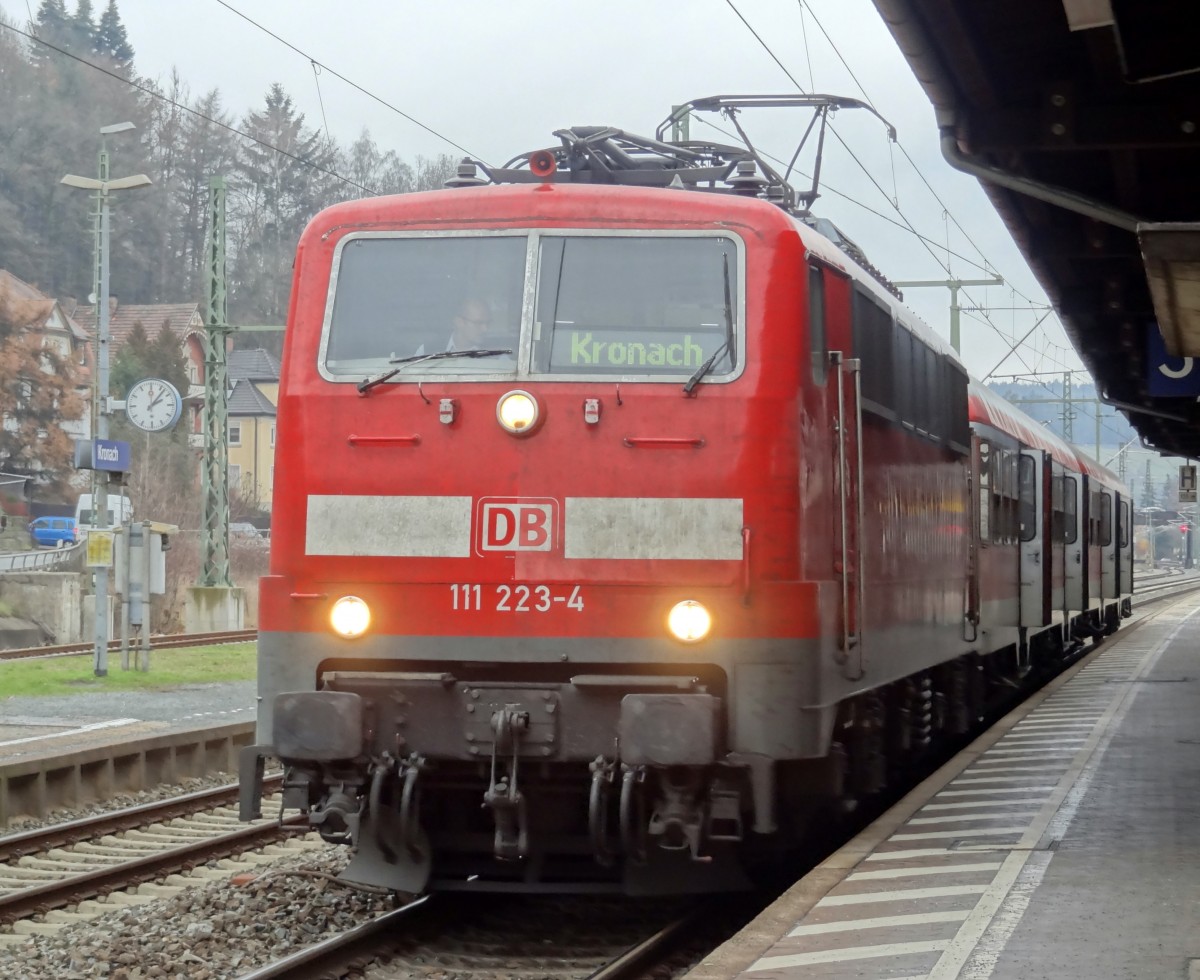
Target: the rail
(164, 642)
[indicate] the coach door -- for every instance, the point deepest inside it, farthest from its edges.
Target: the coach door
(1036, 556)
(1108, 545)
(1124, 546)
(1056, 540)
(1074, 557)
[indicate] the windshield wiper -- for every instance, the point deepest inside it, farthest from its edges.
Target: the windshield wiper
(402, 362)
(704, 368)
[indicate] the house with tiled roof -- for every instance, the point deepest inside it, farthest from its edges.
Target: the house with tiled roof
(61, 333)
(253, 393)
(182, 319)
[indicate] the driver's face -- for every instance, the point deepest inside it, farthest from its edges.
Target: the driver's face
(471, 325)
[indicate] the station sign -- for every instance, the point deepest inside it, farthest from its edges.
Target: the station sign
(110, 455)
(1168, 376)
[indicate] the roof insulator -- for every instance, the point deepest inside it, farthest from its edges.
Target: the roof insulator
(467, 176)
(747, 179)
(676, 183)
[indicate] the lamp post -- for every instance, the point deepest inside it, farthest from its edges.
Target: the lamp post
(103, 186)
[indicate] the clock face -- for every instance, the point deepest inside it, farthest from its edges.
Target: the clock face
(153, 405)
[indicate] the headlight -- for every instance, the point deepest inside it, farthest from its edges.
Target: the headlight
(350, 616)
(518, 412)
(689, 621)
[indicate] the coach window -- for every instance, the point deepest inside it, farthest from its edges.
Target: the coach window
(1094, 518)
(959, 430)
(1057, 515)
(1027, 475)
(1105, 519)
(872, 325)
(1070, 510)
(985, 492)
(1123, 525)
(1011, 491)
(902, 372)
(816, 323)
(997, 496)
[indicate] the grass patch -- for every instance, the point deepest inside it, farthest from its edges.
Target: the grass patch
(168, 669)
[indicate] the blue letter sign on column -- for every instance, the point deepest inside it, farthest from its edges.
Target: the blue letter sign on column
(1168, 376)
(110, 455)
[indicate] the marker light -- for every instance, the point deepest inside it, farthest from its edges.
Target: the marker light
(517, 412)
(689, 621)
(350, 616)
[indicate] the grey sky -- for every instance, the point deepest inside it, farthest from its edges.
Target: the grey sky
(497, 76)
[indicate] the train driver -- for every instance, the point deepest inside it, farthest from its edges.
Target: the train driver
(470, 325)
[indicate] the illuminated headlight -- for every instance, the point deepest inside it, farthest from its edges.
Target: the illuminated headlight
(517, 412)
(689, 621)
(350, 616)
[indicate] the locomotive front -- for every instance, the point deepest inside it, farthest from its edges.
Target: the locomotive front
(533, 614)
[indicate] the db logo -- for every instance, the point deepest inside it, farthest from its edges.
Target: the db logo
(515, 523)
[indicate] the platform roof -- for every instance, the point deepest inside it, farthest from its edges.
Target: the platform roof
(1095, 106)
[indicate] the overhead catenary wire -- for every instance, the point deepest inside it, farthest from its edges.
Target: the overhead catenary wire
(354, 85)
(947, 213)
(866, 172)
(1014, 348)
(146, 90)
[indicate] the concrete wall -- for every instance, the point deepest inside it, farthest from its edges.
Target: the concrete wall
(214, 609)
(54, 600)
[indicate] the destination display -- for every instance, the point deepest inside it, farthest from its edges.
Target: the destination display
(597, 350)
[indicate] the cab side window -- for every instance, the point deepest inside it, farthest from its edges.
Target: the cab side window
(816, 323)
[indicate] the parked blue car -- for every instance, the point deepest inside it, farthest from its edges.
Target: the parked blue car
(52, 532)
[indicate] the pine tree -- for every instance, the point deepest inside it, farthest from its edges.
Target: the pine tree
(81, 30)
(131, 363)
(280, 191)
(111, 41)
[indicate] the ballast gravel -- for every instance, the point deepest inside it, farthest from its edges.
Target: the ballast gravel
(120, 801)
(217, 931)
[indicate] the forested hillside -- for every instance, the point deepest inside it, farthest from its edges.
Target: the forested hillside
(69, 72)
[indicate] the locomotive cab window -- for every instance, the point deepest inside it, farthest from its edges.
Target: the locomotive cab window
(653, 307)
(396, 298)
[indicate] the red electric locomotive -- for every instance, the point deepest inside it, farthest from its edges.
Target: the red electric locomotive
(624, 518)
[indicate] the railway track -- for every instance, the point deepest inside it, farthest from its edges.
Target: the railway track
(156, 643)
(76, 863)
(577, 938)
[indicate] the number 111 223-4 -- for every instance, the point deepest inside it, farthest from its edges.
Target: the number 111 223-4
(467, 597)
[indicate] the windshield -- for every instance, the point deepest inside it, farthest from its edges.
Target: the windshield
(404, 297)
(654, 307)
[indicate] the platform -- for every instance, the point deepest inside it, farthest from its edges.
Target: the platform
(1064, 843)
